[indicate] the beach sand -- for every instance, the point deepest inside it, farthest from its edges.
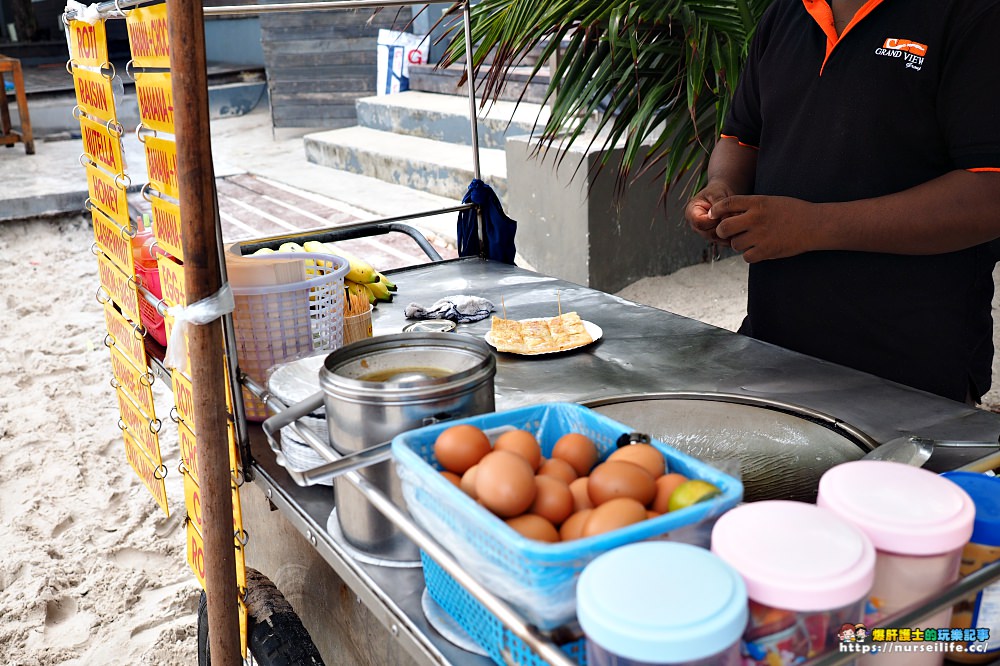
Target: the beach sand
(93, 572)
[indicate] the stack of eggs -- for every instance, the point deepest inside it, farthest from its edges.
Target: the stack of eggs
(570, 495)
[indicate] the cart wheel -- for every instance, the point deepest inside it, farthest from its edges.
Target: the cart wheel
(276, 636)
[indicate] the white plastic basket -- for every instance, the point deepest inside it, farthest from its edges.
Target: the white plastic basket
(278, 322)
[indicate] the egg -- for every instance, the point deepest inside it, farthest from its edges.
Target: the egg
(612, 515)
(468, 483)
(578, 451)
(665, 486)
(505, 483)
(534, 527)
(560, 469)
(521, 442)
(460, 447)
(454, 478)
(646, 456)
(581, 498)
(553, 500)
(616, 478)
(572, 528)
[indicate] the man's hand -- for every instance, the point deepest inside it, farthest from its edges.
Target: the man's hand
(765, 227)
(697, 212)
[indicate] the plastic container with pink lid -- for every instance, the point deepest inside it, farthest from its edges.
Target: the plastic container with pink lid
(918, 521)
(808, 574)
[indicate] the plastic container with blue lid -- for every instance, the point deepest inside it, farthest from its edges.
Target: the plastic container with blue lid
(978, 616)
(656, 603)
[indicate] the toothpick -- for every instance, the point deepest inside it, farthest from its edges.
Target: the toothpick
(503, 307)
(559, 303)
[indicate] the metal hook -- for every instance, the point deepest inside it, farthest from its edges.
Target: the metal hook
(95, 249)
(160, 472)
(182, 468)
(242, 537)
(107, 297)
(64, 19)
(77, 112)
(138, 332)
(238, 478)
(144, 193)
(88, 205)
(85, 160)
(130, 69)
(162, 307)
(114, 383)
(119, 9)
(121, 425)
(175, 415)
(118, 129)
(155, 429)
(109, 66)
(134, 281)
(107, 344)
(69, 63)
(126, 180)
(147, 379)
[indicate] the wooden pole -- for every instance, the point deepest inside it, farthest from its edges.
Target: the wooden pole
(199, 212)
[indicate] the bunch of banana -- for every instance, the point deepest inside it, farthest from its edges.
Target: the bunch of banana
(362, 278)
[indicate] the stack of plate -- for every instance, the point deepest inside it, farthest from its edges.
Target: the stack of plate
(293, 382)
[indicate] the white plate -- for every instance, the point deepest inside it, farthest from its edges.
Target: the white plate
(595, 331)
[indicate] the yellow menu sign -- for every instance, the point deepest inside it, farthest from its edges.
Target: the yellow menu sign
(156, 100)
(124, 336)
(140, 428)
(189, 450)
(196, 552)
(94, 94)
(184, 399)
(148, 473)
(88, 44)
(133, 381)
(106, 195)
(172, 281)
(102, 146)
(112, 241)
(161, 164)
(147, 36)
(167, 226)
(119, 286)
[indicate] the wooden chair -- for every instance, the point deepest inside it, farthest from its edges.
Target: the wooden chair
(9, 137)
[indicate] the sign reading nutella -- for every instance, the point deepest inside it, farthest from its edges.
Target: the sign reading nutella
(146, 471)
(161, 163)
(124, 337)
(172, 281)
(167, 227)
(94, 95)
(88, 44)
(119, 286)
(133, 381)
(147, 36)
(156, 100)
(184, 399)
(139, 427)
(102, 146)
(112, 242)
(106, 195)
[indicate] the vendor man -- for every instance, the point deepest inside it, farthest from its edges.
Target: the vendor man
(859, 175)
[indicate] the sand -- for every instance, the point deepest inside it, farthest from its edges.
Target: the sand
(93, 572)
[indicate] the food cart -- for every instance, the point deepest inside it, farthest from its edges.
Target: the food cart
(645, 360)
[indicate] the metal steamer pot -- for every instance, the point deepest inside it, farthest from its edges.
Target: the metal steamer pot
(779, 450)
(378, 388)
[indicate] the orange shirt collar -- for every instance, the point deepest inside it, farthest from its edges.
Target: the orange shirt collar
(823, 15)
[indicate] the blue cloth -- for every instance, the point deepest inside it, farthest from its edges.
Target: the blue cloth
(500, 229)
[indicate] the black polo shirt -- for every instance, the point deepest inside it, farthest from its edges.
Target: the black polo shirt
(909, 92)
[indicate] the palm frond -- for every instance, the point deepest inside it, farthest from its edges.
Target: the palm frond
(656, 74)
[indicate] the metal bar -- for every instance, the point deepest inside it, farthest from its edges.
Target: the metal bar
(471, 86)
(914, 613)
(110, 9)
(351, 231)
(510, 618)
(202, 277)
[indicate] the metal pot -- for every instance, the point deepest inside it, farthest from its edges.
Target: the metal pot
(780, 450)
(384, 386)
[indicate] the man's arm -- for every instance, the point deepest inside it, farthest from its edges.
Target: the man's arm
(952, 212)
(731, 170)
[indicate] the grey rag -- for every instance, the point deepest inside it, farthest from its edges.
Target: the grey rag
(460, 309)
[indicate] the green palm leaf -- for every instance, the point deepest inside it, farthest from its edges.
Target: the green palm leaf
(656, 74)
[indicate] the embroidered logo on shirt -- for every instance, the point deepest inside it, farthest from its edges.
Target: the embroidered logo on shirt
(912, 53)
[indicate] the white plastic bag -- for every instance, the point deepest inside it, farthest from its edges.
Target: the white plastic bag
(396, 52)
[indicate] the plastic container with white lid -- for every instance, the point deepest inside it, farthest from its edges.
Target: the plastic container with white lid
(981, 611)
(807, 572)
(661, 603)
(919, 523)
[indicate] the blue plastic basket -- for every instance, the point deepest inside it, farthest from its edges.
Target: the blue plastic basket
(536, 578)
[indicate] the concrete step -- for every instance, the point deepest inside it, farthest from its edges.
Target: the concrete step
(446, 117)
(445, 80)
(437, 167)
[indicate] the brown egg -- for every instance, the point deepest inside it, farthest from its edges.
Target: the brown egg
(581, 498)
(573, 527)
(615, 478)
(468, 483)
(553, 500)
(578, 451)
(460, 447)
(521, 442)
(534, 527)
(646, 456)
(505, 483)
(665, 486)
(454, 478)
(652, 514)
(558, 468)
(613, 514)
